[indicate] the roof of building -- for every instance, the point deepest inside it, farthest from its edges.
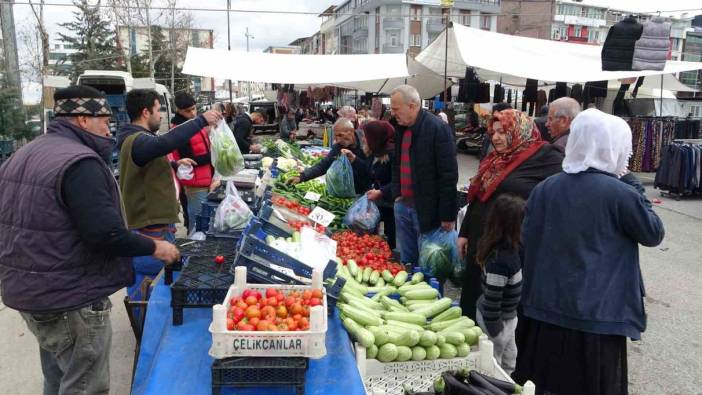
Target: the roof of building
(298, 41)
(329, 11)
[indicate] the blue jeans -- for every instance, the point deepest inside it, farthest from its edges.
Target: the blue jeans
(407, 231)
(74, 348)
(196, 196)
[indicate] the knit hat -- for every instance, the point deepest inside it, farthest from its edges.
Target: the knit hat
(184, 100)
(78, 100)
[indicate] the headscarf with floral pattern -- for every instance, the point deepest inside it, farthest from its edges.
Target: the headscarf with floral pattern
(523, 141)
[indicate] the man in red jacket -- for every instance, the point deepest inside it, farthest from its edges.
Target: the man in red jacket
(198, 151)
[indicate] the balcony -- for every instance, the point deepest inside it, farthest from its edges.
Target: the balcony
(387, 48)
(488, 6)
(435, 25)
(360, 32)
(393, 23)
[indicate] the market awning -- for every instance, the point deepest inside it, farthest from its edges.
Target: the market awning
(294, 69)
(514, 58)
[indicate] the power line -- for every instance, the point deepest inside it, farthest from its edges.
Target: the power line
(309, 13)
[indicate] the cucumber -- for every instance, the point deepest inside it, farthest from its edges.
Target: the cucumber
(412, 318)
(417, 278)
(359, 276)
(366, 274)
(440, 339)
(404, 353)
(400, 278)
(353, 267)
(387, 353)
(427, 339)
(381, 335)
(464, 322)
(380, 282)
(454, 338)
(405, 325)
(372, 352)
(450, 314)
(425, 293)
(448, 351)
(418, 353)
(374, 277)
(362, 335)
(387, 276)
(436, 308)
(462, 350)
(433, 352)
(361, 317)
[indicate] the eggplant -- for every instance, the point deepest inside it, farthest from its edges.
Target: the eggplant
(505, 386)
(481, 381)
(409, 391)
(439, 386)
(455, 386)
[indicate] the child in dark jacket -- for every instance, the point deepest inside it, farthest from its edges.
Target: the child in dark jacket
(498, 255)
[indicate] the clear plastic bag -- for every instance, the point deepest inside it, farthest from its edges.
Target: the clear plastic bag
(363, 216)
(339, 178)
(226, 155)
(232, 213)
(438, 253)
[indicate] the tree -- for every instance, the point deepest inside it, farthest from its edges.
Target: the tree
(92, 38)
(11, 116)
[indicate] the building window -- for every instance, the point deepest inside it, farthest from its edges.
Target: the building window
(485, 22)
(393, 10)
(416, 40)
(578, 30)
(377, 15)
(416, 13)
(465, 18)
(377, 39)
(555, 34)
(593, 36)
(392, 38)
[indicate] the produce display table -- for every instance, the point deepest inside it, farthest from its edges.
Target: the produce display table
(175, 360)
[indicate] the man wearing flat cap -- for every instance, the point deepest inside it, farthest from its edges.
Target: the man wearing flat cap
(64, 242)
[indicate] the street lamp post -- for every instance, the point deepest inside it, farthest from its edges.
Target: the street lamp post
(229, 47)
(248, 36)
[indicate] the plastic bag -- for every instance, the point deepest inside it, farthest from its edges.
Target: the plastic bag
(363, 215)
(339, 178)
(232, 213)
(438, 253)
(226, 155)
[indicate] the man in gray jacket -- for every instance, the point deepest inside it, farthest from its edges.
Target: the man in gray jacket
(561, 113)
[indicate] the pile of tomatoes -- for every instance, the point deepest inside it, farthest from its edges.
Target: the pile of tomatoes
(292, 205)
(367, 250)
(272, 311)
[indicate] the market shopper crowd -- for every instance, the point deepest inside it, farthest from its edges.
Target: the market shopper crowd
(549, 241)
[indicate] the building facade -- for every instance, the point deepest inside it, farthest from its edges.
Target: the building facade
(60, 57)
(134, 40)
(404, 26)
(289, 50)
(328, 32)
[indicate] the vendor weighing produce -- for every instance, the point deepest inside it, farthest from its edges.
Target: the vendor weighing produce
(347, 142)
(64, 244)
(146, 177)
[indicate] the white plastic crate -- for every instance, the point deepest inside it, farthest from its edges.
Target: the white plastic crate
(309, 344)
(381, 378)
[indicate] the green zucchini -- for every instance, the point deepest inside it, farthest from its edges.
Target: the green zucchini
(374, 277)
(433, 352)
(366, 274)
(380, 282)
(361, 317)
(440, 339)
(462, 350)
(418, 353)
(372, 352)
(405, 325)
(454, 338)
(448, 351)
(387, 276)
(400, 278)
(353, 267)
(450, 314)
(387, 352)
(359, 276)
(417, 277)
(412, 318)
(427, 339)
(435, 308)
(465, 322)
(425, 293)
(404, 353)
(362, 335)
(380, 334)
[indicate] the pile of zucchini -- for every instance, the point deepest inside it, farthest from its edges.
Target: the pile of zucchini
(417, 327)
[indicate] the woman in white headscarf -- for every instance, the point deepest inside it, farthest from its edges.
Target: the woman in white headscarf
(582, 289)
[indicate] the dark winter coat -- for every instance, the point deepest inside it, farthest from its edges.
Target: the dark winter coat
(618, 48)
(361, 179)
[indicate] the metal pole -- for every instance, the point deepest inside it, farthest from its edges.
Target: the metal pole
(229, 47)
(151, 48)
(448, 23)
(660, 111)
(247, 50)
(173, 50)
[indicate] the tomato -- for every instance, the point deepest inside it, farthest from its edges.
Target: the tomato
(272, 302)
(263, 325)
(304, 323)
(271, 292)
(289, 301)
(297, 317)
(246, 293)
(253, 312)
(238, 314)
(272, 327)
(268, 311)
(256, 294)
(280, 297)
(233, 301)
(291, 323)
(219, 259)
(230, 324)
(251, 300)
(283, 327)
(254, 321)
(240, 325)
(315, 302)
(306, 294)
(297, 308)
(249, 327)
(317, 293)
(282, 312)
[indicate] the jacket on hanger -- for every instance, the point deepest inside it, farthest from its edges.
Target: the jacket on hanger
(618, 48)
(651, 50)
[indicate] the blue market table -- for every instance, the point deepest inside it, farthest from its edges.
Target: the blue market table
(175, 360)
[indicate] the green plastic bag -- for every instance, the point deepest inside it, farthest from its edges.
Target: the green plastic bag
(339, 178)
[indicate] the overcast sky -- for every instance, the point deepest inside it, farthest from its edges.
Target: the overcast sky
(276, 29)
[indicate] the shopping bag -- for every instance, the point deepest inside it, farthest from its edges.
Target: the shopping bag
(339, 178)
(226, 156)
(363, 216)
(232, 213)
(438, 253)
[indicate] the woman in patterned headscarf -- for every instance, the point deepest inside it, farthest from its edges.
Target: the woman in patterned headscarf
(519, 161)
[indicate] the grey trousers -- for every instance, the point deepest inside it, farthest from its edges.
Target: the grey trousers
(504, 345)
(74, 348)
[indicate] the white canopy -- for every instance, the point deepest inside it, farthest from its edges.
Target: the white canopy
(514, 58)
(293, 69)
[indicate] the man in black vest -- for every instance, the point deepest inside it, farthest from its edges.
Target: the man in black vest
(64, 243)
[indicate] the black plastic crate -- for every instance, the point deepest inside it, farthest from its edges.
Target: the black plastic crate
(259, 372)
(202, 223)
(202, 283)
(210, 247)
